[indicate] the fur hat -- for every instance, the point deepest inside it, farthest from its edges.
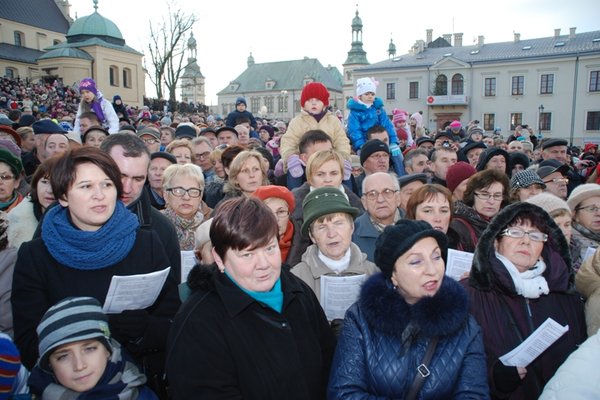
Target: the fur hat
(12, 161)
(581, 193)
(370, 147)
(324, 201)
(240, 100)
(526, 178)
(364, 85)
(88, 84)
(487, 155)
(549, 202)
(458, 173)
(517, 158)
(395, 240)
(280, 192)
(314, 90)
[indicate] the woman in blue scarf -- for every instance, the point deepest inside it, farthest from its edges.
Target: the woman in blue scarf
(87, 239)
(92, 100)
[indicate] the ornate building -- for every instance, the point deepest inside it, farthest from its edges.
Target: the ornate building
(357, 57)
(192, 80)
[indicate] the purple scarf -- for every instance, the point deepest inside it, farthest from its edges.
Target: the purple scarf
(97, 108)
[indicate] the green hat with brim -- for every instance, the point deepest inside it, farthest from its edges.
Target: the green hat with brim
(13, 161)
(324, 201)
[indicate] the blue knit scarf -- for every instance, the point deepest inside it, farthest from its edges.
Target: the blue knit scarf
(86, 250)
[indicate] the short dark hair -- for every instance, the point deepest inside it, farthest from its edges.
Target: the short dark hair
(535, 219)
(229, 154)
(433, 154)
(132, 145)
(64, 172)
(408, 157)
(482, 180)
(424, 193)
(91, 116)
(375, 129)
(242, 120)
(242, 222)
(44, 170)
(311, 137)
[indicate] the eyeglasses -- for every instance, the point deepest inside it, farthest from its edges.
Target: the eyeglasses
(379, 156)
(558, 180)
(518, 233)
(591, 209)
(150, 140)
(282, 213)
(7, 177)
(203, 155)
(179, 192)
(487, 196)
(387, 194)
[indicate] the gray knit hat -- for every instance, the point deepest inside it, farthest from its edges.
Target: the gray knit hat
(71, 320)
(549, 202)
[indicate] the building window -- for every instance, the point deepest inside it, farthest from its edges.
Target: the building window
(458, 84)
(441, 86)
(113, 75)
(489, 122)
(595, 81)
(255, 103)
(224, 109)
(490, 87)
(19, 39)
(518, 84)
(593, 121)
(269, 104)
(515, 120)
(127, 78)
(10, 72)
(282, 104)
(547, 84)
(413, 90)
(390, 91)
(545, 121)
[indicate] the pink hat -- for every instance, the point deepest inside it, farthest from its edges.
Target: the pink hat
(399, 115)
(458, 173)
(455, 124)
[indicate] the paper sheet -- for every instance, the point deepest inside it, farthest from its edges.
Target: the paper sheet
(458, 263)
(535, 344)
(134, 292)
(338, 293)
(589, 252)
(188, 260)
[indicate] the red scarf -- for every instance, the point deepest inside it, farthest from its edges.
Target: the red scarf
(285, 241)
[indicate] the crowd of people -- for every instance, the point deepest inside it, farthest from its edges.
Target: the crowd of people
(159, 255)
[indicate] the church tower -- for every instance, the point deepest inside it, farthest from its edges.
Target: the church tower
(357, 57)
(192, 80)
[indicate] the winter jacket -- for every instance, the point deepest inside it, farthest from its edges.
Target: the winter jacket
(365, 235)
(468, 224)
(384, 339)
(22, 223)
(111, 120)
(362, 118)
(8, 258)
(233, 116)
(587, 281)
(507, 318)
(224, 344)
(305, 122)
(312, 268)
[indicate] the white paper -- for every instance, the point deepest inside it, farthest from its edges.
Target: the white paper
(589, 252)
(188, 260)
(134, 292)
(338, 293)
(458, 263)
(535, 344)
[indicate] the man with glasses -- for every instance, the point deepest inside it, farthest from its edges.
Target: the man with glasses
(554, 175)
(557, 150)
(151, 138)
(380, 199)
(202, 149)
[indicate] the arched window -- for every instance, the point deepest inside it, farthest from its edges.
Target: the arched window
(441, 85)
(113, 77)
(19, 39)
(458, 84)
(126, 77)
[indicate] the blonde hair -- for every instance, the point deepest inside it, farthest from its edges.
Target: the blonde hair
(238, 162)
(182, 170)
(180, 143)
(317, 159)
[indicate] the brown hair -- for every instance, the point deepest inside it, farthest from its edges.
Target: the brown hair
(425, 193)
(482, 180)
(238, 162)
(44, 170)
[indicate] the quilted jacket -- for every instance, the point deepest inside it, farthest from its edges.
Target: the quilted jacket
(384, 339)
(362, 118)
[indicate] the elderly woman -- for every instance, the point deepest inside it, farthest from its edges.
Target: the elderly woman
(584, 202)
(86, 240)
(10, 173)
(407, 315)
(250, 329)
(521, 276)
(246, 173)
(182, 150)
(183, 186)
(485, 195)
(94, 136)
(525, 184)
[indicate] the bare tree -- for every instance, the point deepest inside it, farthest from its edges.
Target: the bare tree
(166, 48)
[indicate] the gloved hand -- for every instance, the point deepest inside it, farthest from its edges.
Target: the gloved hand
(347, 170)
(506, 379)
(295, 166)
(394, 150)
(279, 168)
(130, 324)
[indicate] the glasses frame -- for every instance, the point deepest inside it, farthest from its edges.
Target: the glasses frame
(507, 233)
(387, 194)
(6, 178)
(488, 196)
(590, 209)
(184, 191)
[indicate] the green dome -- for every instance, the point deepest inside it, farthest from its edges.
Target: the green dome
(356, 21)
(94, 25)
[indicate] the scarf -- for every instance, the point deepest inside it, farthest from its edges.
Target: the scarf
(285, 241)
(338, 266)
(6, 206)
(185, 228)
(586, 232)
(97, 107)
(379, 227)
(273, 298)
(122, 380)
(530, 284)
(85, 250)
(320, 115)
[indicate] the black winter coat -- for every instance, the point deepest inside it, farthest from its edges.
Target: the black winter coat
(224, 344)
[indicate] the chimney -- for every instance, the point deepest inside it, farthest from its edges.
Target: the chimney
(572, 33)
(420, 46)
(556, 33)
(480, 40)
(458, 39)
(447, 37)
(65, 8)
(517, 37)
(429, 36)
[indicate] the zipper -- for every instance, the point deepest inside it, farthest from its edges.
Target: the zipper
(530, 316)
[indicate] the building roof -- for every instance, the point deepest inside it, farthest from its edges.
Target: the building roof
(19, 54)
(66, 52)
(94, 41)
(548, 47)
(95, 25)
(287, 75)
(44, 15)
(192, 70)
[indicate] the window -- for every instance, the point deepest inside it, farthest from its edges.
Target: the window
(547, 84)
(593, 121)
(282, 104)
(269, 104)
(458, 84)
(390, 91)
(255, 103)
(413, 90)
(595, 81)
(545, 121)
(441, 86)
(489, 122)
(518, 84)
(127, 78)
(515, 119)
(113, 75)
(10, 72)
(19, 39)
(490, 87)
(55, 42)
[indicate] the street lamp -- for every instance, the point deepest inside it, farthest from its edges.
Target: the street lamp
(540, 112)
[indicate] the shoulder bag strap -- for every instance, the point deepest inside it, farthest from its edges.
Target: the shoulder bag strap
(422, 370)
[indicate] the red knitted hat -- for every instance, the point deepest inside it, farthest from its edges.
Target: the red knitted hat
(281, 192)
(458, 173)
(314, 90)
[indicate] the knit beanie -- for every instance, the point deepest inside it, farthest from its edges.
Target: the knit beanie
(418, 118)
(399, 115)
(314, 90)
(324, 201)
(280, 192)
(455, 124)
(88, 84)
(526, 178)
(240, 100)
(370, 147)
(10, 364)
(549, 202)
(581, 193)
(474, 130)
(71, 320)
(457, 173)
(10, 146)
(364, 85)
(395, 240)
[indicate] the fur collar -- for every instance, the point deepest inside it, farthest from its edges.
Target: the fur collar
(22, 223)
(386, 311)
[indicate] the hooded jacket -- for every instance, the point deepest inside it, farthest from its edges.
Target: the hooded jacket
(362, 118)
(384, 339)
(507, 318)
(468, 225)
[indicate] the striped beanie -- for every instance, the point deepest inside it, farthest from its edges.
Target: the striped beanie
(71, 320)
(10, 364)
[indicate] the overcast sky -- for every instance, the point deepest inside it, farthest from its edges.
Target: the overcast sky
(227, 31)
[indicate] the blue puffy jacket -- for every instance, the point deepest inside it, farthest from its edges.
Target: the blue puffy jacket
(362, 118)
(384, 339)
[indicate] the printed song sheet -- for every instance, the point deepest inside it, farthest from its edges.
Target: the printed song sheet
(134, 292)
(458, 263)
(188, 260)
(338, 293)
